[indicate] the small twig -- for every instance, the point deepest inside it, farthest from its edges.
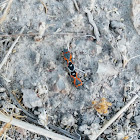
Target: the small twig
(6, 11)
(76, 5)
(91, 36)
(15, 35)
(10, 50)
(44, 6)
(79, 70)
(127, 60)
(115, 117)
(34, 34)
(91, 21)
(133, 57)
(33, 128)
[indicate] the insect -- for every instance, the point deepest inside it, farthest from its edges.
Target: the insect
(73, 74)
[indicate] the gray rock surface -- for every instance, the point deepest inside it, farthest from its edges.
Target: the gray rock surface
(30, 98)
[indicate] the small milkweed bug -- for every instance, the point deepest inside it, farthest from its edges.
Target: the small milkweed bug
(73, 74)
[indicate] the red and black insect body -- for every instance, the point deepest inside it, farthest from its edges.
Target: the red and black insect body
(73, 74)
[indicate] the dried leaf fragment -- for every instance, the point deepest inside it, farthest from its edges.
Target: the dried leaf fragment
(126, 138)
(101, 106)
(5, 127)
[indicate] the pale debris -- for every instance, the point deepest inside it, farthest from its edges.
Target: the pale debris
(43, 118)
(42, 92)
(92, 22)
(68, 120)
(41, 30)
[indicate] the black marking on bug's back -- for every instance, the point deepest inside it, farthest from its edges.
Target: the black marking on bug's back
(73, 73)
(71, 66)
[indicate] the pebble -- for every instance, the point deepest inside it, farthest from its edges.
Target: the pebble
(42, 90)
(117, 24)
(30, 98)
(83, 127)
(36, 112)
(120, 135)
(2, 89)
(68, 120)
(108, 131)
(130, 115)
(51, 66)
(15, 18)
